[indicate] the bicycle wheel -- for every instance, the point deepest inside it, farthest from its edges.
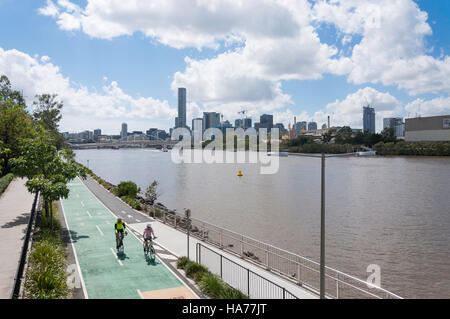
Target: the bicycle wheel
(152, 253)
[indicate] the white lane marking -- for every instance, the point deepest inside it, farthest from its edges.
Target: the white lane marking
(124, 212)
(129, 216)
(115, 255)
(100, 230)
(140, 240)
(83, 285)
(90, 216)
(140, 294)
(138, 220)
(82, 204)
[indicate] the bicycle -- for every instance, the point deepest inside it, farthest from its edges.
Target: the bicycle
(120, 247)
(149, 251)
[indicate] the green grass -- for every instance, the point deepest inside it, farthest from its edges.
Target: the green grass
(4, 182)
(46, 277)
(209, 284)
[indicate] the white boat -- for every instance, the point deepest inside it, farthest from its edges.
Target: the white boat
(367, 153)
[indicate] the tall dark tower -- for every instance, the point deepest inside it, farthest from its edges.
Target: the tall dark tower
(181, 107)
(369, 119)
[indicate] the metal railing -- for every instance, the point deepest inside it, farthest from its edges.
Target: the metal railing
(23, 255)
(240, 277)
(300, 270)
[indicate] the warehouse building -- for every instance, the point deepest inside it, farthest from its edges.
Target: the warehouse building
(434, 128)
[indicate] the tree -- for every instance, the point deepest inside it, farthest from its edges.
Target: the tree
(152, 194)
(47, 112)
(46, 171)
(6, 93)
(15, 124)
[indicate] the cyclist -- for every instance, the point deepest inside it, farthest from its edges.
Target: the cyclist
(148, 235)
(120, 229)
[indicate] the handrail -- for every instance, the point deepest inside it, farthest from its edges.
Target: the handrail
(340, 277)
(198, 253)
(23, 255)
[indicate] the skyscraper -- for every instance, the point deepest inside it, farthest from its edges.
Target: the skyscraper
(181, 108)
(266, 121)
(124, 132)
(369, 119)
(211, 120)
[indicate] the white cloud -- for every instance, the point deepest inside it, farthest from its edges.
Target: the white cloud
(35, 77)
(393, 49)
(434, 107)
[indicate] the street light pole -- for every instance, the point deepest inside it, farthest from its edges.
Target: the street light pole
(322, 231)
(188, 227)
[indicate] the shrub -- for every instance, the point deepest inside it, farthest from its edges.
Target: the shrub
(212, 285)
(232, 293)
(4, 182)
(129, 189)
(46, 278)
(195, 270)
(182, 262)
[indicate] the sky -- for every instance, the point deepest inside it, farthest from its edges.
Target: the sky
(114, 61)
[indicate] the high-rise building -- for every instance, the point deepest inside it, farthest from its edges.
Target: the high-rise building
(281, 128)
(181, 108)
(225, 125)
(266, 121)
(369, 119)
(211, 120)
(312, 126)
(200, 126)
(97, 133)
(124, 132)
(243, 123)
(396, 123)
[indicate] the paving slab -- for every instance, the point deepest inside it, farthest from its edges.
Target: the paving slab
(15, 209)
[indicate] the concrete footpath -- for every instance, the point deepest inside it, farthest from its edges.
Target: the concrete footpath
(15, 208)
(174, 241)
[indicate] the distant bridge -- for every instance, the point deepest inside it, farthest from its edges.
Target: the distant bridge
(125, 144)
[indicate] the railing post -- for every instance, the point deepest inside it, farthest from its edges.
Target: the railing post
(267, 260)
(299, 273)
(248, 282)
(322, 231)
(337, 286)
(221, 257)
(221, 239)
(242, 247)
(284, 293)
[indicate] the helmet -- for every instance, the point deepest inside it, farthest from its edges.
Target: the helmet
(149, 225)
(119, 219)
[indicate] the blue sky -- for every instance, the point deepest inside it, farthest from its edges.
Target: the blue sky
(135, 65)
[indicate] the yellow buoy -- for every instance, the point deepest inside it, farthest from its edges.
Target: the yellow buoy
(240, 173)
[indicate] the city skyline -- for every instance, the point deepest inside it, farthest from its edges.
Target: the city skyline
(318, 65)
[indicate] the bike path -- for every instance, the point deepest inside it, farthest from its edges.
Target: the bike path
(105, 273)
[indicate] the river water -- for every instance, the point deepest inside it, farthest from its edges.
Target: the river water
(390, 211)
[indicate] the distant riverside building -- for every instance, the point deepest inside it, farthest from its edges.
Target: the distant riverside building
(97, 133)
(201, 123)
(434, 128)
(124, 132)
(281, 127)
(396, 123)
(312, 126)
(369, 119)
(225, 125)
(299, 127)
(181, 122)
(243, 123)
(211, 120)
(324, 126)
(266, 121)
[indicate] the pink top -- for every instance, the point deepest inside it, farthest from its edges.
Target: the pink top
(148, 233)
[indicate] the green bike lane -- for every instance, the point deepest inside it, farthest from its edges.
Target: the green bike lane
(106, 273)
